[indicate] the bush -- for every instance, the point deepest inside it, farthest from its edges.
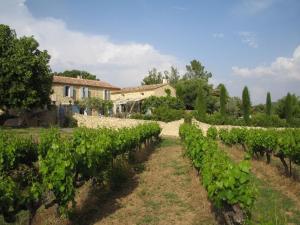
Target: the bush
(70, 122)
(166, 114)
(212, 133)
(262, 120)
(188, 118)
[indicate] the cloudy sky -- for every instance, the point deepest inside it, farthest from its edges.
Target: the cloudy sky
(242, 42)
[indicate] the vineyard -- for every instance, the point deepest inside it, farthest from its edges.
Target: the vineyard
(227, 183)
(283, 144)
(30, 171)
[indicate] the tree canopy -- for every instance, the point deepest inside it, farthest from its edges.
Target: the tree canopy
(223, 100)
(196, 70)
(268, 104)
(154, 77)
(25, 75)
(76, 73)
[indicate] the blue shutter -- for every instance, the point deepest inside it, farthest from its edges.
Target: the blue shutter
(81, 92)
(71, 91)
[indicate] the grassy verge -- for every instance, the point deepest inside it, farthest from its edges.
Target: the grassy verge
(272, 207)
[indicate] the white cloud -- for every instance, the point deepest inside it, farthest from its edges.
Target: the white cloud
(218, 35)
(122, 64)
(279, 77)
(281, 68)
(249, 38)
(252, 7)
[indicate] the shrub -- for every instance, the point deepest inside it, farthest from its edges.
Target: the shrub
(70, 122)
(166, 114)
(212, 133)
(188, 118)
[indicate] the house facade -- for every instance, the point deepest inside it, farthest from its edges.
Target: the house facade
(68, 90)
(129, 100)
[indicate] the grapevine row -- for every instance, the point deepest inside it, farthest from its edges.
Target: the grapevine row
(30, 171)
(228, 184)
(284, 144)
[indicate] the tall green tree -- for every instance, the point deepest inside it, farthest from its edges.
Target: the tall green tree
(195, 70)
(173, 75)
(246, 103)
(25, 75)
(223, 100)
(76, 73)
(288, 108)
(153, 77)
(268, 104)
(201, 103)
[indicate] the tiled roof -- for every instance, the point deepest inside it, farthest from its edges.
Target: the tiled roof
(140, 88)
(83, 82)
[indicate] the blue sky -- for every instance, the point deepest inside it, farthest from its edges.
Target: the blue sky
(242, 42)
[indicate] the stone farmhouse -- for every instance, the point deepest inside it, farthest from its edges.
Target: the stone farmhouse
(67, 90)
(129, 100)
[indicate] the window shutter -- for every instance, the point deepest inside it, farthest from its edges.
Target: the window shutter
(81, 92)
(71, 91)
(86, 94)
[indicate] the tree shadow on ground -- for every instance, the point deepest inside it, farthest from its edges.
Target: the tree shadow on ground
(100, 203)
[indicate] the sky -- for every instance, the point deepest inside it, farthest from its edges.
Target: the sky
(242, 42)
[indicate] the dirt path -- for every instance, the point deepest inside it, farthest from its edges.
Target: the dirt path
(167, 192)
(268, 173)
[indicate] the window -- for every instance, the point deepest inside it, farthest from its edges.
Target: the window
(106, 94)
(67, 91)
(84, 92)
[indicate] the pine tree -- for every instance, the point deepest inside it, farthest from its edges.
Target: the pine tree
(246, 104)
(223, 100)
(201, 103)
(268, 104)
(288, 108)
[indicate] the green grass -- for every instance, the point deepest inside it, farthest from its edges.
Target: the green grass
(272, 207)
(34, 132)
(168, 142)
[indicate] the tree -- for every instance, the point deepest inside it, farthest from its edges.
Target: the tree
(288, 108)
(223, 100)
(246, 104)
(154, 77)
(201, 103)
(173, 76)
(25, 75)
(76, 73)
(196, 70)
(104, 106)
(268, 104)
(279, 106)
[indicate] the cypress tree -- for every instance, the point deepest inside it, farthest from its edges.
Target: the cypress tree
(246, 103)
(223, 100)
(288, 108)
(201, 103)
(268, 104)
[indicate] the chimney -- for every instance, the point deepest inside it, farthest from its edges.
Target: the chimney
(165, 81)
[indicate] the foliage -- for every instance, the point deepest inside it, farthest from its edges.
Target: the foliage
(97, 104)
(288, 108)
(283, 144)
(279, 106)
(268, 104)
(29, 171)
(154, 77)
(212, 133)
(227, 183)
(188, 118)
(195, 70)
(70, 122)
(26, 80)
(223, 100)
(76, 73)
(246, 105)
(201, 103)
(166, 114)
(154, 102)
